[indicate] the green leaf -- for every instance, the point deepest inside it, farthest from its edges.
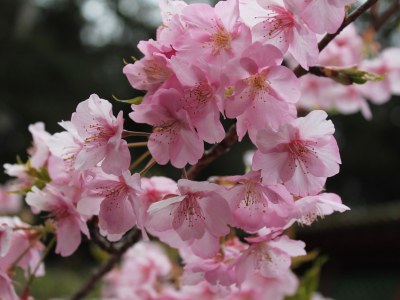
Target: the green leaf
(136, 100)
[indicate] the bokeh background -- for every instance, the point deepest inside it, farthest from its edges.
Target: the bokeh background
(55, 53)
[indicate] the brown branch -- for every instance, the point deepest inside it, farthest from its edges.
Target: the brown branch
(97, 238)
(299, 71)
(214, 152)
(132, 238)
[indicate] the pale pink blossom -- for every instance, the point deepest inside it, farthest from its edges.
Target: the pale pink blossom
(301, 154)
(60, 202)
(7, 291)
(250, 199)
(174, 137)
(259, 287)
(39, 152)
(198, 214)
(5, 239)
(65, 147)
(155, 189)
(101, 132)
(203, 95)
(21, 248)
(172, 25)
(10, 203)
(269, 255)
(306, 210)
(116, 201)
(323, 15)
(263, 88)
(216, 34)
(280, 25)
(388, 63)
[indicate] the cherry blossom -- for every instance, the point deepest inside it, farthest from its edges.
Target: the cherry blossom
(7, 291)
(174, 137)
(198, 213)
(263, 88)
(203, 96)
(269, 255)
(39, 152)
(216, 34)
(10, 203)
(249, 200)
(101, 132)
(5, 239)
(280, 25)
(301, 154)
(60, 200)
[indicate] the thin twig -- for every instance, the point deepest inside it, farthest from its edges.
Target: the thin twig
(184, 174)
(126, 133)
(139, 160)
(133, 145)
(214, 152)
(299, 71)
(132, 238)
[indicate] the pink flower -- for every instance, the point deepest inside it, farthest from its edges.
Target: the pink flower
(155, 188)
(269, 255)
(323, 15)
(282, 27)
(21, 248)
(39, 152)
(59, 200)
(307, 209)
(389, 63)
(119, 204)
(216, 34)
(65, 147)
(7, 291)
(174, 137)
(172, 26)
(203, 95)
(101, 132)
(10, 204)
(301, 154)
(263, 89)
(149, 73)
(5, 239)
(198, 213)
(249, 200)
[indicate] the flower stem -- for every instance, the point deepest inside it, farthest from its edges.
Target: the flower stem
(126, 133)
(151, 163)
(132, 145)
(139, 160)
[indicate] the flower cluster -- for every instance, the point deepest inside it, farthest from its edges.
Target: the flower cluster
(208, 63)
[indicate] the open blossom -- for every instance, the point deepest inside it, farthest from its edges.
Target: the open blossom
(39, 152)
(24, 247)
(249, 200)
(59, 200)
(324, 15)
(269, 255)
(307, 209)
(7, 291)
(198, 213)
(301, 154)
(280, 25)
(216, 34)
(172, 25)
(174, 137)
(263, 88)
(203, 94)
(116, 201)
(101, 132)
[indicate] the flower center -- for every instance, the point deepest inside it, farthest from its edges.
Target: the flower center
(252, 199)
(156, 72)
(189, 210)
(197, 96)
(299, 151)
(220, 39)
(280, 21)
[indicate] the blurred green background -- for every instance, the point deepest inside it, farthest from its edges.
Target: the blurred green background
(55, 53)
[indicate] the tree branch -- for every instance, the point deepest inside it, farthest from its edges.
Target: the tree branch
(132, 238)
(97, 238)
(299, 71)
(214, 152)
